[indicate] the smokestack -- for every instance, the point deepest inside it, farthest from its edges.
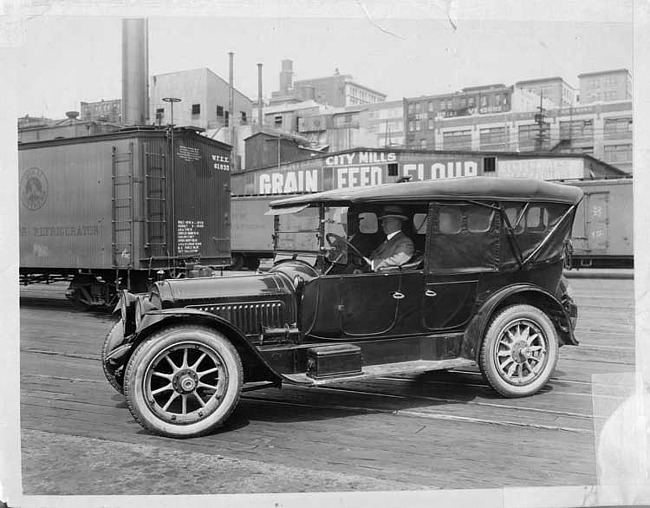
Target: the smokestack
(260, 101)
(231, 99)
(231, 116)
(135, 72)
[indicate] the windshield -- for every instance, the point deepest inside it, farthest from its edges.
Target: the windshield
(300, 231)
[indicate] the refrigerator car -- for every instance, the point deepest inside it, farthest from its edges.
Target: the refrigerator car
(120, 210)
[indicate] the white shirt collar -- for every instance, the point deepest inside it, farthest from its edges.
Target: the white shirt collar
(388, 237)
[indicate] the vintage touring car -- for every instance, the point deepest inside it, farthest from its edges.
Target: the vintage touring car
(483, 286)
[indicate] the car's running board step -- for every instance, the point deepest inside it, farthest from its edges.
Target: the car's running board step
(386, 369)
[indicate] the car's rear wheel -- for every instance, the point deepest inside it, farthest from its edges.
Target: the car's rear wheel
(113, 339)
(519, 351)
(183, 382)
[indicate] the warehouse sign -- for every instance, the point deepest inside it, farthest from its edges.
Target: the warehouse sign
(288, 181)
(440, 170)
(542, 169)
(360, 158)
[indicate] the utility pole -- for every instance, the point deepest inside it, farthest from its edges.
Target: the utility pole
(539, 120)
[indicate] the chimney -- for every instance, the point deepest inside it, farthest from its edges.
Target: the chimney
(232, 115)
(260, 100)
(135, 72)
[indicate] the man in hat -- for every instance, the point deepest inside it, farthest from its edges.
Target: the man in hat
(398, 248)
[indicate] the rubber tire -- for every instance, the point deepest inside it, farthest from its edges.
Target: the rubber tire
(486, 362)
(145, 352)
(110, 341)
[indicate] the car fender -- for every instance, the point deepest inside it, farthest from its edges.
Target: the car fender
(489, 304)
(156, 320)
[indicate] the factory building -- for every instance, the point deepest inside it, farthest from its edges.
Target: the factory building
(204, 100)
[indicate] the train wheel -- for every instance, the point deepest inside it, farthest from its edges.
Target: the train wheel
(237, 262)
(519, 351)
(252, 262)
(183, 382)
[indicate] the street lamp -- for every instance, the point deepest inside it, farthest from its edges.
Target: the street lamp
(172, 100)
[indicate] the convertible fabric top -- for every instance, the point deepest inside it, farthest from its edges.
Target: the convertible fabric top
(471, 188)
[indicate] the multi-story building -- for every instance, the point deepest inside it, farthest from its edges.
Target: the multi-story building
(378, 125)
(556, 90)
(602, 130)
(102, 111)
(205, 99)
(338, 90)
(614, 85)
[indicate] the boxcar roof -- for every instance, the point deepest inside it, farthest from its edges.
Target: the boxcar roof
(472, 188)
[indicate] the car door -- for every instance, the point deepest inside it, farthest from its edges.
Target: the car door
(462, 244)
(369, 303)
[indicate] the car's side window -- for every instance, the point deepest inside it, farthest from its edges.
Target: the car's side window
(513, 212)
(368, 223)
(420, 223)
(450, 220)
(479, 220)
(463, 237)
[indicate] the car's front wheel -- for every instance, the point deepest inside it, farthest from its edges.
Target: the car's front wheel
(519, 351)
(183, 381)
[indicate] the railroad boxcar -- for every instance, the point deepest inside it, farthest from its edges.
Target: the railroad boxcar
(604, 226)
(114, 210)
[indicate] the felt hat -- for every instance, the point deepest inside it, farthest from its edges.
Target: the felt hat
(393, 212)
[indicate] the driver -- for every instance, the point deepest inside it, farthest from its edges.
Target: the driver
(398, 248)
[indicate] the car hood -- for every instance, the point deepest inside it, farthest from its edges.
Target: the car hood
(181, 292)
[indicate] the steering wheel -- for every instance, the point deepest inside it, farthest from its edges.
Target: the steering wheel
(333, 239)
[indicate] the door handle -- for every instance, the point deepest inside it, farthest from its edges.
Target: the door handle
(397, 295)
(430, 293)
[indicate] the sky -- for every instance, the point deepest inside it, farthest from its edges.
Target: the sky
(66, 59)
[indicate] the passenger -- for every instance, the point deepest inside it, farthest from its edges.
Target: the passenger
(398, 247)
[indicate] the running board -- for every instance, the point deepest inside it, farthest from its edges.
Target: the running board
(386, 369)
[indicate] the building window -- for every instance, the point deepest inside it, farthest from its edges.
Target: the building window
(418, 125)
(443, 105)
(618, 127)
(243, 117)
(196, 109)
(430, 124)
(484, 101)
(430, 107)
(531, 138)
(577, 129)
(618, 153)
(489, 164)
(278, 120)
(471, 102)
(423, 144)
(457, 140)
(226, 120)
(411, 108)
(493, 138)
(219, 111)
(392, 169)
(160, 113)
(411, 126)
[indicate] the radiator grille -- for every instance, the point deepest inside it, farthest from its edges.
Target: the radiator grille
(249, 316)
